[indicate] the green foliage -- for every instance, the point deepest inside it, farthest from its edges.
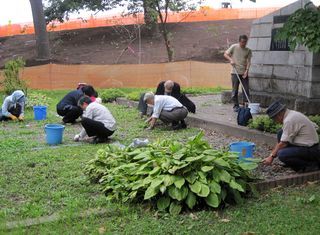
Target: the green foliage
(109, 95)
(202, 90)
(12, 79)
(303, 28)
(316, 120)
(171, 174)
(264, 123)
(37, 98)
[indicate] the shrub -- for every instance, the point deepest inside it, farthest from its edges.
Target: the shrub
(109, 95)
(12, 79)
(171, 174)
(316, 120)
(134, 95)
(201, 90)
(264, 123)
(36, 98)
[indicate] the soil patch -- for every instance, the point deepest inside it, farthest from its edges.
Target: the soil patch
(202, 41)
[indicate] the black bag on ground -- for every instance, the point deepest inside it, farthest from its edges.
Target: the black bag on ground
(244, 116)
(187, 103)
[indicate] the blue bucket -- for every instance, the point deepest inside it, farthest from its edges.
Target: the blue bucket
(54, 133)
(245, 149)
(40, 112)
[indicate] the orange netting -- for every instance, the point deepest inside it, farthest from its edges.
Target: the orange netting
(187, 73)
(204, 14)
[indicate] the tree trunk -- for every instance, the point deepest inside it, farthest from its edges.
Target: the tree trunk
(42, 40)
(150, 18)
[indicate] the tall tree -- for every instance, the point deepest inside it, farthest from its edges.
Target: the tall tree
(42, 40)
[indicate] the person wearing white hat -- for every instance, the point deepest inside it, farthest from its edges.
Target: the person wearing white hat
(298, 141)
(166, 108)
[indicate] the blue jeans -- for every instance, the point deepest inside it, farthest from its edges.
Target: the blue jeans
(298, 157)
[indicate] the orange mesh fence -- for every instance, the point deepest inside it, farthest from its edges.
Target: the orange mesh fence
(187, 73)
(204, 14)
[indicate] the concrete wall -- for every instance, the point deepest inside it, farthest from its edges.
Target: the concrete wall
(288, 75)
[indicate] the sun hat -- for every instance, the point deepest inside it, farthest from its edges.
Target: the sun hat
(148, 95)
(275, 108)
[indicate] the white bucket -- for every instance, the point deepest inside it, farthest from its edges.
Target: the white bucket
(254, 108)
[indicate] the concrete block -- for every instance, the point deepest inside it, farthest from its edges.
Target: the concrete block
(300, 73)
(263, 44)
(261, 30)
(297, 58)
(290, 9)
(261, 71)
(270, 58)
(259, 84)
(253, 43)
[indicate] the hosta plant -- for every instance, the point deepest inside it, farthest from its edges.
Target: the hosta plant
(172, 175)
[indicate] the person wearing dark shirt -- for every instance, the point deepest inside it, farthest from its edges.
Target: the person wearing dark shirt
(168, 88)
(68, 107)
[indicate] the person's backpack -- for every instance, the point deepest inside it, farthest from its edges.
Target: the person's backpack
(187, 103)
(244, 116)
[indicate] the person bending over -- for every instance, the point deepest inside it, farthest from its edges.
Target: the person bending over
(97, 121)
(168, 88)
(68, 107)
(298, 141)
(166, 108)
(13, 107)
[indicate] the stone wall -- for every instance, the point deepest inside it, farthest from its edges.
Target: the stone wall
(293, 77)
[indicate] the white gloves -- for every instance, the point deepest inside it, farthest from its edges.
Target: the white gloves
(76, 138)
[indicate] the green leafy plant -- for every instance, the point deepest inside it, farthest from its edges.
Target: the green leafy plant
(109, 95)
(264, 123)
(171, 174)
(37, 98)
(202, 90)
(316, 120)
(12, 81)
(302, 28)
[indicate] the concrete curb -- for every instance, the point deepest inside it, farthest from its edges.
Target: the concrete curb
(287, 181)
(237, 131)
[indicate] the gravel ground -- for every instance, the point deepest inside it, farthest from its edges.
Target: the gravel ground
(276, 170)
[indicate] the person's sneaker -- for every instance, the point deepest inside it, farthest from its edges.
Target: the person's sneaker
(183, 124)
(236, 109)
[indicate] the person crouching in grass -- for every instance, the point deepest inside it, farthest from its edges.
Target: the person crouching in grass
(13, 107)
(97, 121)
(166, 108)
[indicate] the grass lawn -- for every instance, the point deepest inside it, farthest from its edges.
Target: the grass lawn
(37, 180)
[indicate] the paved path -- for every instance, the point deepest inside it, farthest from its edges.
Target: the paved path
(210, 108)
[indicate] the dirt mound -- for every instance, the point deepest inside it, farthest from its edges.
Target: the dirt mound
(203, 41)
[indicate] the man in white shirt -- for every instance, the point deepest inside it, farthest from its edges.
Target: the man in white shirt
(298, 145)
(168, 109)
(96, 121)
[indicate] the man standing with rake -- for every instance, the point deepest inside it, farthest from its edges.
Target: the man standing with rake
(239, 56)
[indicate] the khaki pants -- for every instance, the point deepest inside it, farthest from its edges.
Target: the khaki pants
(175, 115)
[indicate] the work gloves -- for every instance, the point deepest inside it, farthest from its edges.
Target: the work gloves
(13, 118)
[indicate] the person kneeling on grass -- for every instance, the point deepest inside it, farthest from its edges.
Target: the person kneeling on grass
(298, 146)
(13, 107)
(97, 121)
(166, 108)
